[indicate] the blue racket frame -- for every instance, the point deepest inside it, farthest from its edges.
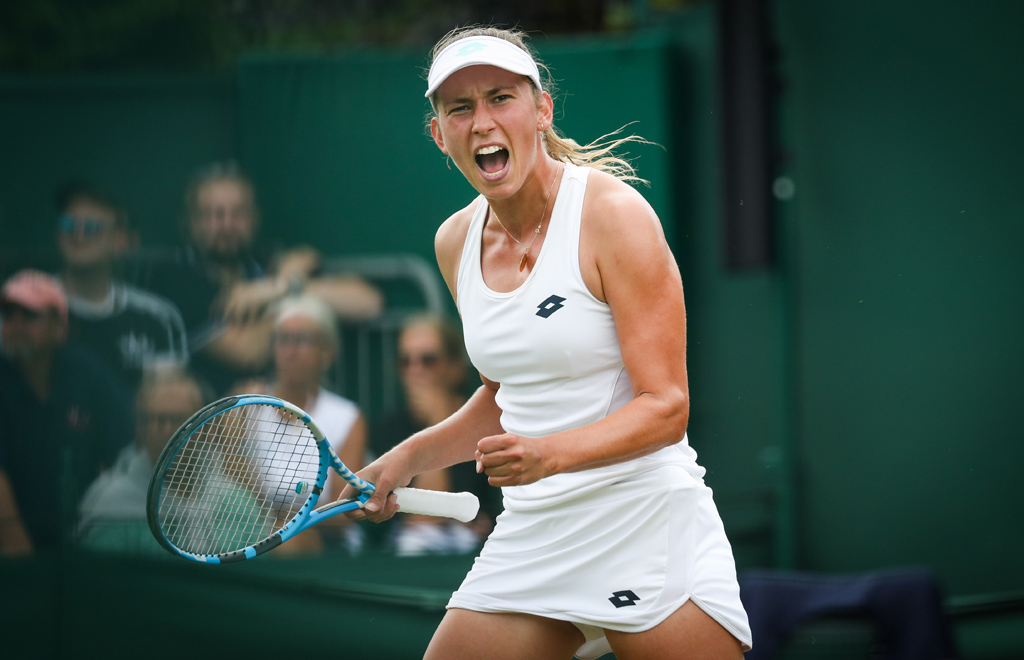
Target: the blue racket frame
(307, 516)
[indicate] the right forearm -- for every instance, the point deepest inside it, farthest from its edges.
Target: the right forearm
(454, 440)
(14, 540)
(243, 345)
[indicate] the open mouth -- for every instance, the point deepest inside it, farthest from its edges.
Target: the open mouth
(492, 160)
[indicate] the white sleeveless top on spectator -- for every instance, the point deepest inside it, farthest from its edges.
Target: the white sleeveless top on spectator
(335, 415)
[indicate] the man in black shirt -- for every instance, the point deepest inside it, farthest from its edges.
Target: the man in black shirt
(225, 294)
(125, 326)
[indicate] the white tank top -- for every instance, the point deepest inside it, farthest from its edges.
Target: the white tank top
(553, 348)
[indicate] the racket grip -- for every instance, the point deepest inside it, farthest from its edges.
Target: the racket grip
(460, 506)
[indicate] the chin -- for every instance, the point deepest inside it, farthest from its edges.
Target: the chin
(224, 256)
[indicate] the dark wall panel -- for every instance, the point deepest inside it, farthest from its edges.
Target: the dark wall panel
(904, 124)
(138, 137)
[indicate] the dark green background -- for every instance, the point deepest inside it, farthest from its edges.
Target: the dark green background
(857, 407)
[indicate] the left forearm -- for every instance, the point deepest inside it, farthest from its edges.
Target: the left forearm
(646, 424)
(14, 540)
(350, 297)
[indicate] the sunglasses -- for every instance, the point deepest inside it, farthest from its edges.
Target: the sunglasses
(90, 227)
(300, 339)
(428, 360)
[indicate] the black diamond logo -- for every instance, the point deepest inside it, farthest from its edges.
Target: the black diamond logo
(624, 598)
(550, 306)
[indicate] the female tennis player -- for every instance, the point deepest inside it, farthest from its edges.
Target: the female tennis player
(572, 306)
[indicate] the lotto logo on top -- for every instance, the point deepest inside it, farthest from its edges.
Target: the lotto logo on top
(469, 49)
(551, 305)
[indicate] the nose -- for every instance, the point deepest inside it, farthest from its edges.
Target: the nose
(483, 122)
(220, 217)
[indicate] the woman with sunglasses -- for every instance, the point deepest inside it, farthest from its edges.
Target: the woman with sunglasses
(572, 307)
(432, 370)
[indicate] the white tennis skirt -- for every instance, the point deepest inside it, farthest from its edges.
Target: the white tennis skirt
(623, 558)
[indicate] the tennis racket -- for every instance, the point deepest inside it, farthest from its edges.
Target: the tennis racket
(244, 474)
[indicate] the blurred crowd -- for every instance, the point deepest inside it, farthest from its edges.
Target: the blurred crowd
(97, 373)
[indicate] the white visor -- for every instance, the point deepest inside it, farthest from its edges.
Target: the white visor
(480, 50)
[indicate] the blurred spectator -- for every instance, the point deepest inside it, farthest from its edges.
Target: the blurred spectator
(305, 342)
(125, 326)
(63, 417)
(432, 364)
(224, 293)
(113, 510)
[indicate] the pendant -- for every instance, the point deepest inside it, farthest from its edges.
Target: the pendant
(522, 263)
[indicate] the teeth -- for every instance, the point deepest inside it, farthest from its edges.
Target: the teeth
(488, 150)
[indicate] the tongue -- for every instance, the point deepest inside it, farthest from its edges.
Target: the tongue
(492, 163)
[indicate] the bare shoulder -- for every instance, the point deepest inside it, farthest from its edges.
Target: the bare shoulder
(613, 208)
(620, 232)
(449, 240)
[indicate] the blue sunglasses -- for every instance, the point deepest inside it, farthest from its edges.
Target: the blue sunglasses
(67, 224)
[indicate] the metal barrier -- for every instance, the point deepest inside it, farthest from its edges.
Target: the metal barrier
(366, 368)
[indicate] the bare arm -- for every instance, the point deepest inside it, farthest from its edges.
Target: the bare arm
(626, 262)
(14, 540)
(245, 342)
(245, 345)
(350, 297)
(452, 441)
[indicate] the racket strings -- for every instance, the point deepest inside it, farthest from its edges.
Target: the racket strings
(233, 482)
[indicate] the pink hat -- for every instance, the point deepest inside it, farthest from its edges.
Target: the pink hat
(36, 291)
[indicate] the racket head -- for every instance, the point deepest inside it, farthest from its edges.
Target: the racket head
(240, 476)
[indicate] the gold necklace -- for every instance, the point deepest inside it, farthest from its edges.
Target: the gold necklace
(536, 232)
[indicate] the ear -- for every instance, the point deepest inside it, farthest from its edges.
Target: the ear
(326, 359)
(122, 242)
(547, 112)
(435, 132)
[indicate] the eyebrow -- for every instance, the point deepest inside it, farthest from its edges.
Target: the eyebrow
(490, 92)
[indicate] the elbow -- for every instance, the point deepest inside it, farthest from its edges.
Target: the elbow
(367, 307)
(370, 304)
(376, 303)
(675, 414)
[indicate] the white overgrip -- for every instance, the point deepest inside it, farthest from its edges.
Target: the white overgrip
(460, 506)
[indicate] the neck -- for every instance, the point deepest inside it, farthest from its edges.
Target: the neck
(522, 212)
(90, 283)
(298, 393)
(223, 270)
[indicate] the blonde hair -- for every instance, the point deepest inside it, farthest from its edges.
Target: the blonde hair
(314, 309)
(599, 154)
(161, 373)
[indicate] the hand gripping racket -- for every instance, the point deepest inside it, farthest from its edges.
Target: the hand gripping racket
(244, 474)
